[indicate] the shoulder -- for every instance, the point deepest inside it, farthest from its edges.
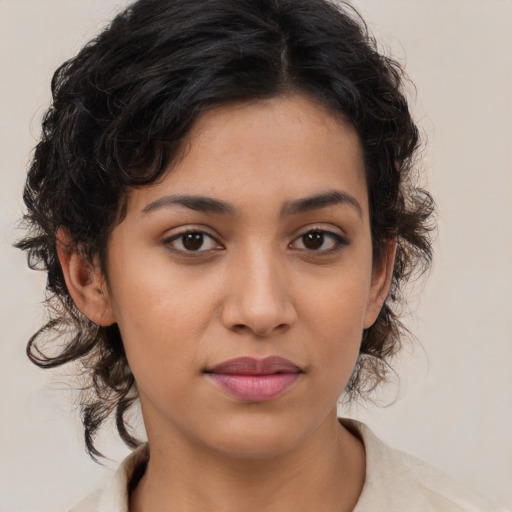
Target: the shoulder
(399, 482)
(89, 504)
(114, 496)
(395, 481)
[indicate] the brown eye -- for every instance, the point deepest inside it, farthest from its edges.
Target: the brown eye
(313, 240)
(320, 241)
(192, 241)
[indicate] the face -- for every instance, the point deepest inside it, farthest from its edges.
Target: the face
(242, 281)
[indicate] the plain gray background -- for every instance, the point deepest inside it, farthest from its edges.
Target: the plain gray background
(453, 405)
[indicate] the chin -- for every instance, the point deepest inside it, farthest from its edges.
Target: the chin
(255, 446)
(255, 437)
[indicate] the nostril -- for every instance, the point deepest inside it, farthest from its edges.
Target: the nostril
(262, 332)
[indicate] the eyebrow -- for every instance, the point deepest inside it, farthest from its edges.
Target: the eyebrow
(210, 205)
(199, 203)
(321, 200)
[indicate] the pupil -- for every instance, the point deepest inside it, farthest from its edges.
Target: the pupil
(193, 241)
(313, 240)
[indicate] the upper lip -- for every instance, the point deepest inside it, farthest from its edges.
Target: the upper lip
(253, 366)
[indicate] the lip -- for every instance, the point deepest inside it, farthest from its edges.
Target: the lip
(255, 380)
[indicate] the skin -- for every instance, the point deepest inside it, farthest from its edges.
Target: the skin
(253, 288)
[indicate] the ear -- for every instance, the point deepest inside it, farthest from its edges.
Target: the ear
(381, 281)
(85, 282)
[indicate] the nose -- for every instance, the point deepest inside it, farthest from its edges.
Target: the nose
(259, 300)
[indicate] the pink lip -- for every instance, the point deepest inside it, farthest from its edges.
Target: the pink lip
(255, 380)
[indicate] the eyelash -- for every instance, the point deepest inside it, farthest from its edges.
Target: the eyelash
(191, 253)
(338, 241)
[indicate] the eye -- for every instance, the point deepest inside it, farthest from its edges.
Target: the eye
(319, 240)
(192, 241)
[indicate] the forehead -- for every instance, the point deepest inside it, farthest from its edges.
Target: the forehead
(264, 150)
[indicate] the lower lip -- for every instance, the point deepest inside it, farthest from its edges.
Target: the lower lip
(255, 388)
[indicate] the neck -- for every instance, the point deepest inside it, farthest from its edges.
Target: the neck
(326, 472)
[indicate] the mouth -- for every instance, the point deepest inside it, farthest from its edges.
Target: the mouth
(255, 380)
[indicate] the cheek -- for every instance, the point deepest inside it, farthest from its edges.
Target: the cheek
(163, 316)
(336, 312)
(160, 315)
(148, 292)
(338, 300)
(338, 329)
(159, 319)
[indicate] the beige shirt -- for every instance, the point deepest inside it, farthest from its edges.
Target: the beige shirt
(395, 482)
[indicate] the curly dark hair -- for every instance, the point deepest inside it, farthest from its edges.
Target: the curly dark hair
(124, 104)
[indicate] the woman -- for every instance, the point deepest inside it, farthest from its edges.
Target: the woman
(223, 201)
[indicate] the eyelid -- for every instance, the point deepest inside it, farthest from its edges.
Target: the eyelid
(341, 240)
(333, 232)
(176, 233)
(191, 228)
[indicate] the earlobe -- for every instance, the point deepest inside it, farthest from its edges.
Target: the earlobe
(85, 282)
(381, 282)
